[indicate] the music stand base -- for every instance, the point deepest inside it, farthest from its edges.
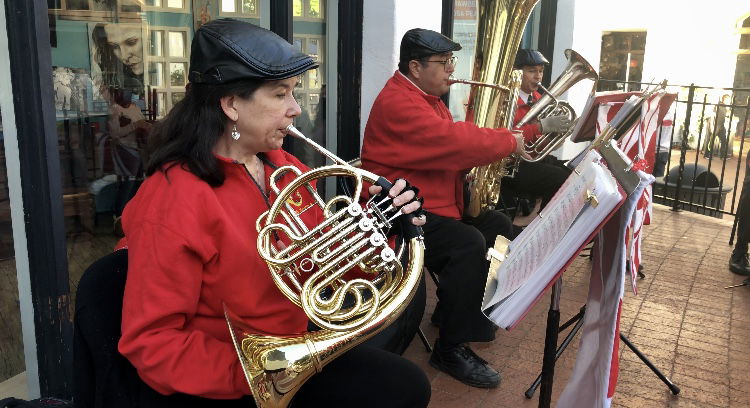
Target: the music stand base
(545, 397)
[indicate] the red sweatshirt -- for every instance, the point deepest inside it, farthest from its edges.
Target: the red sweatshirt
(412, 135)
(531, 130)
(190, 248)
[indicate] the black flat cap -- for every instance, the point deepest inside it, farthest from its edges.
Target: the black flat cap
(225, 50)
(419, 43)
(526, 57)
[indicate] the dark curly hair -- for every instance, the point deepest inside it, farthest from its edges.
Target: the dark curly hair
(189, 132)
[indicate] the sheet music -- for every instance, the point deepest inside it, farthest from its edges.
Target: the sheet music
(631, 103)
(534, 244)
(576, 135)
(546, 245)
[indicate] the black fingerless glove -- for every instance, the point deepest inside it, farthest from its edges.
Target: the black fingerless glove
(402, 224)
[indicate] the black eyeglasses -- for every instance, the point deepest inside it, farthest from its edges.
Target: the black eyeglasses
(447, 63)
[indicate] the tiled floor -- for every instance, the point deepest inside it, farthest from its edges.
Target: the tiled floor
(683, 319)
(695, 331)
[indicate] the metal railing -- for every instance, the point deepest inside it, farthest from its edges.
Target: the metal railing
(709, 135)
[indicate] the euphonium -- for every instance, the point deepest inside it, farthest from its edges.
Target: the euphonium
(349, 310)
(500, 26)
(548, 105)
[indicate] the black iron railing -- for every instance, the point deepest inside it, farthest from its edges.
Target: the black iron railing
(707, 148)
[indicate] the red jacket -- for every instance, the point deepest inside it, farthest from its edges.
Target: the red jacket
(412, 135)
(531, 130)
(190, 248)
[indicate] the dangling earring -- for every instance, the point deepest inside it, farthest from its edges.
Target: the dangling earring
(235, 133)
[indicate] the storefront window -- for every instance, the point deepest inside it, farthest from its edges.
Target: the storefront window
(11, 341)
(309, 29)
(118, 67)
(464, 33)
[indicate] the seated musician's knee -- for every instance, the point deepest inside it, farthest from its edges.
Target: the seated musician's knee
(472, 243)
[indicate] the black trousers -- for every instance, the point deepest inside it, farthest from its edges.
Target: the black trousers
(539, 179)
(456, 252)
(743, 212)
(363, 377)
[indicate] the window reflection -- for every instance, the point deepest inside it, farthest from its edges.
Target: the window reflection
(240, 8)
(464, 32)
(228, 6)
(120, 65)
(177, 74)
(249, 6)
(176, 44)
(309, 9)
(156, 74)
(156, 43)
(309, 37)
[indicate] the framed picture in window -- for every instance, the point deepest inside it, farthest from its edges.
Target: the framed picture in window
(117, 57)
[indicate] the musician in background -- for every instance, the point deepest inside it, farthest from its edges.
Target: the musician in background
(191, 237)
(738, 262)
(539, 179)
(410, 133)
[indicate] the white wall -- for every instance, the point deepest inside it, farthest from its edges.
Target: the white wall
(384, 23)
(687, 41)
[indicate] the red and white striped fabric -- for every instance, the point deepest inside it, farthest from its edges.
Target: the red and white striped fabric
(639, 144)
(596, 369)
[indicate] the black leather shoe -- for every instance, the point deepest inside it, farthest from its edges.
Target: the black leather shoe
(461, 363)
(739, 264)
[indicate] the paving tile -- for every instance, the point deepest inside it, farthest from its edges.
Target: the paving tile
(692, 391)
(683, 320)
(650, 389)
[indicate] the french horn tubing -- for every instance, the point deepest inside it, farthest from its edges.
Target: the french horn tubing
(341, 272)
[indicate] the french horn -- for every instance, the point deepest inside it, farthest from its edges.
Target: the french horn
(341, 272)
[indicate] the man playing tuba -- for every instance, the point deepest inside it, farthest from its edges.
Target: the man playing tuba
(542, 178)
(411, 134)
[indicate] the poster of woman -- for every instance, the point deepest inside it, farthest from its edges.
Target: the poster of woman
(117, 56)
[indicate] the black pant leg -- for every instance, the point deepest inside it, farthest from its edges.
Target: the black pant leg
(362, 377)
(148, 398)
(539, 179)
(456, 253)
(366, 377)
(492, 223)
(743, 212)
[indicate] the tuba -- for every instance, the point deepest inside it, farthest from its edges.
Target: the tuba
(549, 105)
(348, 309)
(500, 26)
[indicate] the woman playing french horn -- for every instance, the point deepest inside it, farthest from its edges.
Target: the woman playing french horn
(191, 234)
